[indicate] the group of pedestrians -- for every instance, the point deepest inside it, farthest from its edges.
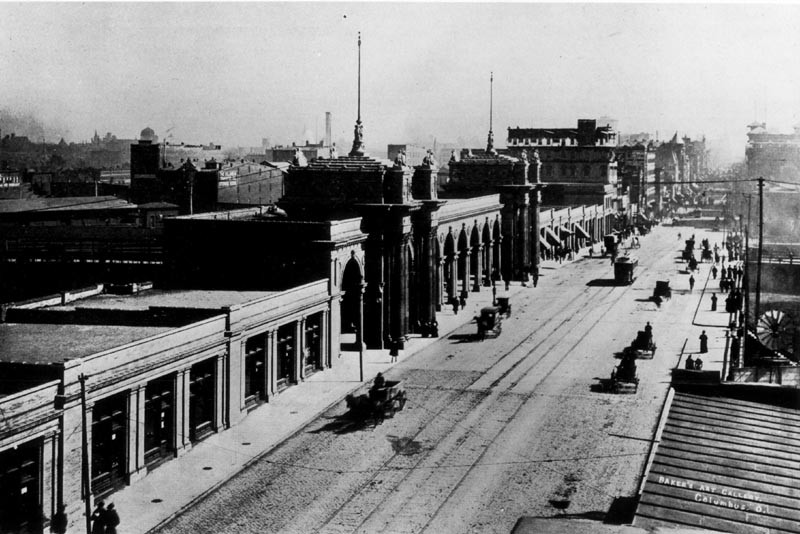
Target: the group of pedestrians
(105, 520)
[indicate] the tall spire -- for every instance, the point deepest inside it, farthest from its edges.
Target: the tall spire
(358, 132)
(490, 140)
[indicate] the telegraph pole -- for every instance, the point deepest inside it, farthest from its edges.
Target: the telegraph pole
(87, 482)
(760, 245)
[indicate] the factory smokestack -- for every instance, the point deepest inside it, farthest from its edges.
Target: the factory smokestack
(328, 128)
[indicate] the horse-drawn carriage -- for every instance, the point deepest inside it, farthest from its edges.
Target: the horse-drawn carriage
(623, 378)
(643, 347)
(490, 322)
(385, 398)
(662, 290)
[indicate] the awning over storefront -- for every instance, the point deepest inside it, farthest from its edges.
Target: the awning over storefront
(564, 232)
(544, 244)
(581, 232)
(551, 237)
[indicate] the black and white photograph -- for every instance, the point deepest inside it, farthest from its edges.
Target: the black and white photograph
(399, 267)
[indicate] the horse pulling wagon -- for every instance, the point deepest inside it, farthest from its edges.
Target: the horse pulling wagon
(624, 379)
(643, 347)
(385, 398)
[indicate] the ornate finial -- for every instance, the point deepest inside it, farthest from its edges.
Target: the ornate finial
(358, 132)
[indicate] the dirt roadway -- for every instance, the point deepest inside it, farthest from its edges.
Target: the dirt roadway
(493, 430)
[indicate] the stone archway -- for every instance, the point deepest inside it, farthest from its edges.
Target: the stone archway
(352, 287)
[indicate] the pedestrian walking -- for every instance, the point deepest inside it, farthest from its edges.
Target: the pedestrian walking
(713, 302)
(99, 519)
(691, 282)
(112, 519)
(703, 343)
(455, 306)
(714, 272)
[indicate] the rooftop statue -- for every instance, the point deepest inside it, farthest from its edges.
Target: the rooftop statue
(400, 159)
(453, 156)
(299, 159)
(490, 144)
(332, 152)
(429, 161)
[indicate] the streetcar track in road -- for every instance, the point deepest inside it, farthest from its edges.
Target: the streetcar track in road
(594, 324)
(586, 295)
(526, 397)
(348, 512)
(486, 393)
(383, 468)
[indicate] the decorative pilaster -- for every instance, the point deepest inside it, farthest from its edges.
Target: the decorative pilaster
(272, 361)
(136, 465)
(324, 341)
(220, 420)
(516, 231)
(300, 335)
(235, 378)
(182, 419)
(478, 255)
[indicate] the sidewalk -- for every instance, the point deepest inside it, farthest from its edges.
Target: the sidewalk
(178, 483)
(714, 323)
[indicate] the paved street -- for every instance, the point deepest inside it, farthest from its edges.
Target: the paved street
(493, 430)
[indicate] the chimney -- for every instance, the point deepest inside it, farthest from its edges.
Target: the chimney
(328, 128)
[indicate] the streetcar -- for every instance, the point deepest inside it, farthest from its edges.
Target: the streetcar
(625, 270)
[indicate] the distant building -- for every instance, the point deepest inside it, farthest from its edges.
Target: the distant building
(681, 164)
(587, 134)
(200, 186)
(578, 163)
(636, 169)
(773, 155)
(310, 150)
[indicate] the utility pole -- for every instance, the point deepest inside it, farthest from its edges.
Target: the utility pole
(760, 245)
(87, 482)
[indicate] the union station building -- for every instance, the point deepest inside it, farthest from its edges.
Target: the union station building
(253, 301)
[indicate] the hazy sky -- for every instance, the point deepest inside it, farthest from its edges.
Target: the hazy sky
(234, 73)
